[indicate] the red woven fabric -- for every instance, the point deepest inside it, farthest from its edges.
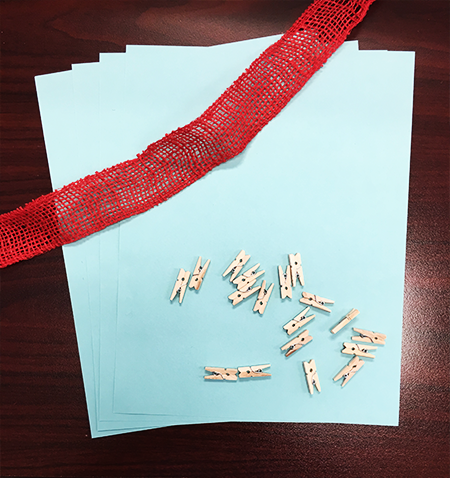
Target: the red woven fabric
(188, 153)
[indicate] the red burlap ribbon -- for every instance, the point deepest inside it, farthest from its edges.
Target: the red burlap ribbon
(188, 153)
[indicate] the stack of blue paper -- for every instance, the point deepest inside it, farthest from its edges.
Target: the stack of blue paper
(327, 178)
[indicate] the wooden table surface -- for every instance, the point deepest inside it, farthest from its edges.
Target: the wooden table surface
(44, 424)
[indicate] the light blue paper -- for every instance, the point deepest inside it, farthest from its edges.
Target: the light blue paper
(89, 347)
(327, 178)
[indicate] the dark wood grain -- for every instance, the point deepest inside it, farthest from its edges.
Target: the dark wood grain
(44, 420)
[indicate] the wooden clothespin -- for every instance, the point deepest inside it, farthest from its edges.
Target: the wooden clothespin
(248, 278)
(263, 298)
(295, 261)
(367, 336)
(297, 343)
(299, 321)
(218, 373)
(253, 371)
(350, 316)
(180, 285)
(316, 301)
(198, 274)
(239, 296)
(285, 282)
(236, 266)
(349, 370)
(358, 349)
(311, 375)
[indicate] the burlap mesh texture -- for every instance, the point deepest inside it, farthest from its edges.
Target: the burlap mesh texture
(188, 153)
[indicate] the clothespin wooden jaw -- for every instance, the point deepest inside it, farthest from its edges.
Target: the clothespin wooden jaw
(180, 285)
(312, 378)
(263, 298)
(295, 261)
(316, 301)
(350, 316)
(218, 373)
(358, 349)
(285, 282)
(248, 278)
(299, 321)
(236, 266)
(349, 370)
(238, 296)
(297, 343)
(198, 274)
(254, 371)
(367, 336)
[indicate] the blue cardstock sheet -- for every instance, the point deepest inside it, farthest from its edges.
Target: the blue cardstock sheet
(327, 178)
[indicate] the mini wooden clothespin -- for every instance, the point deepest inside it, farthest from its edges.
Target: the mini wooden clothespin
(218, 373)
(285, 282)
(367, 336)
(295, 261)
(311, 376)
(253, 371)
(299, 321)
(239, 296)
(198, 274)
(180, 285)
(236, 266)
(349, 370)
(350, 316)
(316, 301)
(358, 349)
(263, 298)
(297, 343)
(248, 278)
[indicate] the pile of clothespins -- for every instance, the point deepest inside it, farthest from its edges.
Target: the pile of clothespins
(245, 288)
